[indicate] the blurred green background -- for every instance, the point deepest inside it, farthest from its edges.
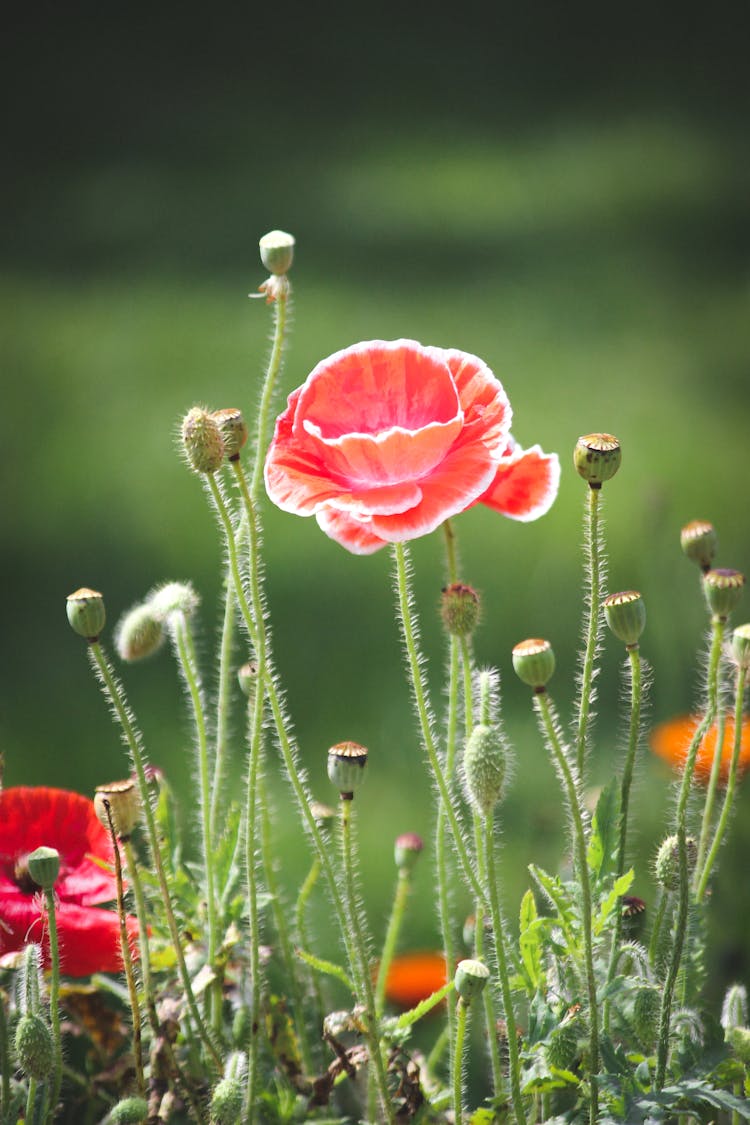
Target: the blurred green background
(560, 190)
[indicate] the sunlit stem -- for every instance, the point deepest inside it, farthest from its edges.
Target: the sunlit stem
(255, 736)
(398, 910)
(712, 693)
(54, 1001)
(280, 306)
(462, 1013)
(114, 692)
(713, 783)
(300, 916)
(593, 553)
(134, 879)
(726, 808)
(565, 773)
(226, 678)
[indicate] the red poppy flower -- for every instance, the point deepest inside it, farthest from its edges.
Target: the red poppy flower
(671, 741)
(413, 977)
(89, 937)
(386, 440)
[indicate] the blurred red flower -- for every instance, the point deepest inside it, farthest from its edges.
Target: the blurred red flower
(414, 976)
(386, 440)
(89, 937)
(672, 739)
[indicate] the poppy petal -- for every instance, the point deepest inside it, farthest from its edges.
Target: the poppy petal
(412, 977)
(88, 936)
(525, 484)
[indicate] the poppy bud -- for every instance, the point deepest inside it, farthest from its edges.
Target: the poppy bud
(597, 458)
(699, 541)
(86, 613)
(233, 429)
(277, 251)
(667, 866)
(734, 1008)
(406, 851)
(226, 1101)
(626, 616)
(124, 803)
(534, 662)
(459, 609)
(139, 633)
(562, 1046)
(484, 762)
(738, 1039)
(202, 441)
(44, 867)
(646, 1009)
(741, 645)
(129, 1111)
(470, 979)
(34, 1047)
(346, 767)
(174, 597)
(723, 590)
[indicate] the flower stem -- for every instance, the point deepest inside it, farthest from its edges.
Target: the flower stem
(593, 548)
(255, 735)
(462, 1012)
(143, 942)
(280, 307)
(570, 784)
(222, 705)
(54, 1001)
(400, 898)
(713, 782)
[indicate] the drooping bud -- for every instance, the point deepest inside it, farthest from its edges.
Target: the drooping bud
(346, 767)
(406, 850)
(174, 597)
(35, 1049)
(277, 251)
(626, 616)
(699, 542)
(124, 803)
(646, 1010)
(459, 609)
(723, 590)
(470, 979)
(139, 633)
(233, 429)
(129, 1111)
(484, 765)
(44, 867)
(86, 613)
(667, 865)
(597, 458)
(202, 441)
(741, 646)
(734, 1008)
(534, 662)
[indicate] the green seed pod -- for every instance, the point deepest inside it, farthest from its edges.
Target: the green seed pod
(233, 429)
(667, 866)
(129, 1111)
(406, 850)
(741, 646)
(226, 1102)
(44, 867)
(346, 767)
(597, 458)
(86, 613)
(626, 616)
(734, 1008)
(723, 590)
(484, 764)
(738, 1039)
(202, 441)
(562, 1048)
(34, 1047)
(470, 979)
(459, 609)
(174, 597)
(646, 1010)
(139, 633)
(699, 542)
(124, 803)
(277, 251)
(534, 662)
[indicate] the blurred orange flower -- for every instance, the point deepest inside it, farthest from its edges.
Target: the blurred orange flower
(414, 976)
(671, 740)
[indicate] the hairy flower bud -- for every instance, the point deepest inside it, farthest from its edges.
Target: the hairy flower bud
(646, 1009)
(34, 1047)
(484, 765)
(470, 979)
(699, 542)
(741, 646)
(139, 633)
(233, 429)
(277, 251)
(226, 1101)
(406, 850)
(129, 1111)
(124, 804)
(626, 616)
(174, 597)
(723, 590)
(734, 1008)
(459, 609)
(346, 767)
(534, 662)
(86, 613)
(667, 865)
(597, 458)
(562, 1047)
(202, 441)
(44, 867)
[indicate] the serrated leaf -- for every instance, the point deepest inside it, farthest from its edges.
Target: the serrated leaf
(560, 898)
(529, 943)
(611, 902)
(602, 850)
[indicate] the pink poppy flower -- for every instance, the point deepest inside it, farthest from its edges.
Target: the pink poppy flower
(89, 937)
(386, 440)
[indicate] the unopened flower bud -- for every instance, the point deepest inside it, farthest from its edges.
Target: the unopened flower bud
(699, 541)
(226, 1101)
(233, 429)
(34, 1047)
(734, 1008)
(202, 441)
(129, 1111)
(562, 1047)
(277, 251)
(86, 613)
(723, 590)
(534, 662)
(470, 979)
(459, 609)
(484, 765)
(667, 866)
(247, 677)
(346, 767)
(597, 458)
(626, 616)
(124, 804)
(646, 1010)
(741, 646)
(738, 1039)
(406, 850)
(174, 597)
(44, 867)
(139, 633)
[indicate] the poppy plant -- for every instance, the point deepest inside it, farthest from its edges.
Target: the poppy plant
(671, 740)
(89, 937)
(386, 440)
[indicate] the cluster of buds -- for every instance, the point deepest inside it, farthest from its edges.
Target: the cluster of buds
(208, 436)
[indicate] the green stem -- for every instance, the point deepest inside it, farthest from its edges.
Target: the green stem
(300, 916)
(400, 898)
(726, 809)
(654, 951)
(549, 729)
(143, 942)
(251, 815)
(54, 1001)
(462, 1012)
(132, 738)
(269, 384)
(4, 1062)
(593, 567)
(713, 783)
(222, 705)
(127, 959)
(451, 552)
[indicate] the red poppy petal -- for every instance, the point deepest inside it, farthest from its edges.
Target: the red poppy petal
(525, 484)
(350, 533)
(486, 407)
(412, 977)
(671, 741)
(89, 937)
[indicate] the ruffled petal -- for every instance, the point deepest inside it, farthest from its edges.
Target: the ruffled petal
(353, 534)
(525, 484)
(88, 936)
(486, 407)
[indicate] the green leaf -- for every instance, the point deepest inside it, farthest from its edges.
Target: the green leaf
(610, 903)
(406, 1019)
(327, 967)
(529, 943)
(602, 850)
(561, 899)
